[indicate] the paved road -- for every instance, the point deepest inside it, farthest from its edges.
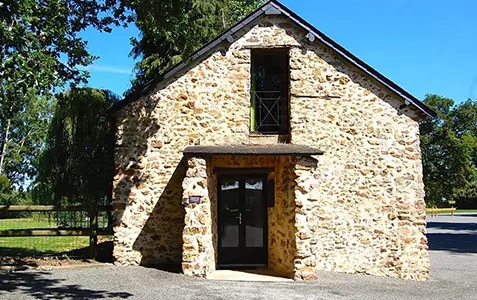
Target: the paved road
(453, 259)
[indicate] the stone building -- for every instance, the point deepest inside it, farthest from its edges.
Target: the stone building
(272, 146)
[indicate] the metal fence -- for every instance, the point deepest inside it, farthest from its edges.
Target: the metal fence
(271, 111)
(49, 230)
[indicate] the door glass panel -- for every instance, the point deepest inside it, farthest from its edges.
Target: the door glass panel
(229, 214)
(254, 213)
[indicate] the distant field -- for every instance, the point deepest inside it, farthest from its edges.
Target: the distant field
(37, 246)
(466, 211)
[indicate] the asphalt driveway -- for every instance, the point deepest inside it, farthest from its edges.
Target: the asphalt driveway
(453, 243)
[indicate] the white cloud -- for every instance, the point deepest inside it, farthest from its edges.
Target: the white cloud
(108, 69)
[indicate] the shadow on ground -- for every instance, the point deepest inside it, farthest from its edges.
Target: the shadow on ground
(453, 226)
(20, 259)
(473, 215)
(39, 286)
(452, 236)
(104, 252)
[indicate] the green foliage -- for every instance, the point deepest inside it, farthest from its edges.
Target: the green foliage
(40, 53)
(26, 138)
(172, 30)
(449, 150)
(77, 164)
(14, 197)
(40, 43)
(4, 183)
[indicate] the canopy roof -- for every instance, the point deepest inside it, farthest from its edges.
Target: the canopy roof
(252, 150)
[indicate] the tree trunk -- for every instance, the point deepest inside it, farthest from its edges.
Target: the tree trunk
(4, 146)
(23, 141)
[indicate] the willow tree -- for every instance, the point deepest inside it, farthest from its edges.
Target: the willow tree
(77, 164)
(41, 52)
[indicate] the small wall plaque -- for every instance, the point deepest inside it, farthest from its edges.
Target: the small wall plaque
(195, 199)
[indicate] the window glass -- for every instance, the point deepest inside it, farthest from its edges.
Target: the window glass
(270, 84)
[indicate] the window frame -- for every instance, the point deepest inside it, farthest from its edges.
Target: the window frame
(284, 104)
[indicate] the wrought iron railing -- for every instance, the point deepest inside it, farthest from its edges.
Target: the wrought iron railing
(270, 111)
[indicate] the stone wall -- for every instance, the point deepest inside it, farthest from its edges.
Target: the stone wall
(281, 221)
(365, 210)
(198, 256)
(207, 104)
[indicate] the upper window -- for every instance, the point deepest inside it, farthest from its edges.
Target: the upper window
(270, 85)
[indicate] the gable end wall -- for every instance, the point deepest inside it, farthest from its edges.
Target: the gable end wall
(359, 209)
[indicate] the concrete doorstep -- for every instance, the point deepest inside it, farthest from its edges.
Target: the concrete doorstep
(259, 274)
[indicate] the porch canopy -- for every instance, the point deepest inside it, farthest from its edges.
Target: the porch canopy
(252, 150)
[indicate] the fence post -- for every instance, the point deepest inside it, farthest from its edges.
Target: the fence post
(110, 219)
(93, 226)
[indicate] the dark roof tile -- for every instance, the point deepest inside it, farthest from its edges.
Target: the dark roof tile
(252, 150)
(275, 6)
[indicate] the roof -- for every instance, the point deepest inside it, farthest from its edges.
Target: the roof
(253, 150)
(275, 7)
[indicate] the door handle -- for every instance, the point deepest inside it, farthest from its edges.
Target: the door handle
(239, 218)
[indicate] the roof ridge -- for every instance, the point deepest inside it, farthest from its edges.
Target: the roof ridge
(226, 35)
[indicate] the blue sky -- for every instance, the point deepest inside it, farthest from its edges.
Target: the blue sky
(425, 46)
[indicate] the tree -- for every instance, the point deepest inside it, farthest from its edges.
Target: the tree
(28, 132)
(77, 164)
(464, 126)
(40, 52)
(172, 30)
(449, 150)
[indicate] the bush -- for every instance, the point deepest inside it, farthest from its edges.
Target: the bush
(14, 197)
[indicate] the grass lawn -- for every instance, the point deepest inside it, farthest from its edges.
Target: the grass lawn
(37, 246)
(472, 211)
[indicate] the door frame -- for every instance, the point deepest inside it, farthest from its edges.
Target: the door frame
(242, 173)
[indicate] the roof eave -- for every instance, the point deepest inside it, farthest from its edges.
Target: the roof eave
(353, 59)
(275, 5)
(203, 50)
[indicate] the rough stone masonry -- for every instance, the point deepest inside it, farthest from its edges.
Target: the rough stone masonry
(359, 208)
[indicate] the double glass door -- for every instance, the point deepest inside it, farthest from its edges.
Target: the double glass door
(242, 213)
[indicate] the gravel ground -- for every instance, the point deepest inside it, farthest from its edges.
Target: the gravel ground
(453, 242)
